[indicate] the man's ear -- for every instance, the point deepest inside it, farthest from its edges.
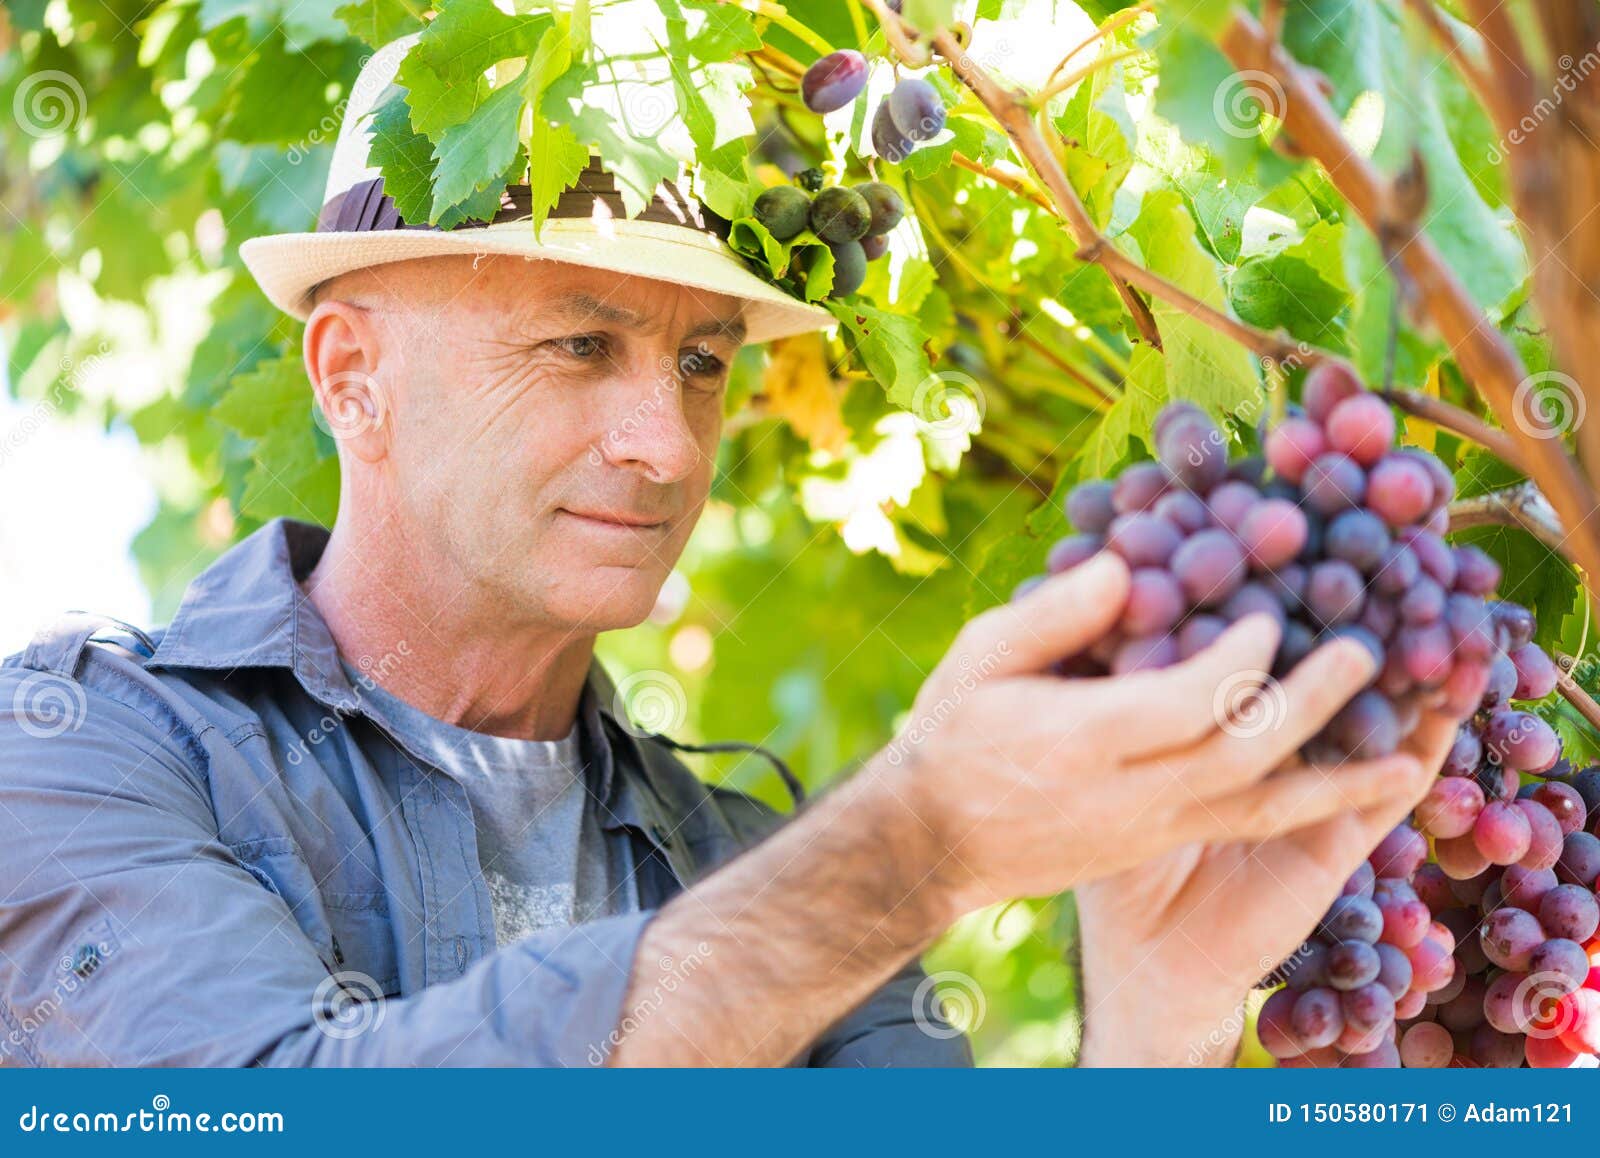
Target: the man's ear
(343, 348)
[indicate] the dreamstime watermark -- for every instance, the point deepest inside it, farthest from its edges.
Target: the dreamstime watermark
(47, 705)
(1248, 704)
(966, 683)
(1239, 102)
(74, 971)
(160, 1118)
(1572, 73)
(669, 385)
(647, 109)
(648, 702)
(347, 1004)
(948, 1004)
(48, 103)
(350, 404)
(69, 380)
(330, 124)
(1548, 404)
(673, 973)
(1542, 1007)
(373, 672)
(949, 403)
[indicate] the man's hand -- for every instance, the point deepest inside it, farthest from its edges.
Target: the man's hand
(1033, 783)
(1171, 947)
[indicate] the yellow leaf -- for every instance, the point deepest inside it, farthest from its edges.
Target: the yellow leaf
(798, 387)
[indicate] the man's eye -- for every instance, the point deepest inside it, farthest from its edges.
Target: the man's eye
(580, 346)
(699, 364)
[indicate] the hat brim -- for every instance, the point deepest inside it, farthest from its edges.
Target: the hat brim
(287, 266)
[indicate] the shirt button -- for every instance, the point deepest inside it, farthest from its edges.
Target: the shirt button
(86, 960)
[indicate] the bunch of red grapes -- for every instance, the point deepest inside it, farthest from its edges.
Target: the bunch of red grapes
(1334, 532)
(1469, 936)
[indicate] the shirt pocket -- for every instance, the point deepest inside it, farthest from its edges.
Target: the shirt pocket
(350, 930)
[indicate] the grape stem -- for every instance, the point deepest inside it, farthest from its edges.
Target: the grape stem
(1484, 354)
(1457, 421)
(1573, 692)
(1522, 505)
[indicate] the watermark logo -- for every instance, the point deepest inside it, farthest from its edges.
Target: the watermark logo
(48, 705)
(351, 404)
(1542, 1004)
(348, 1004)
(1248, 704)
(947, 1004)
(48, 103)
(1548, 404)
(949, 403)
(1240, 101)
(648, 702)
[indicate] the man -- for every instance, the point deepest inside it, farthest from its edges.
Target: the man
(382, 762)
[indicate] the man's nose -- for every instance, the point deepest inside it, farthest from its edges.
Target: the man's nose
(649, 432)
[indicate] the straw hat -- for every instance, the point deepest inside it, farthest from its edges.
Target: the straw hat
(672, 240)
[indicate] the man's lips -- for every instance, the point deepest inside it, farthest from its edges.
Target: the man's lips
(625, 520)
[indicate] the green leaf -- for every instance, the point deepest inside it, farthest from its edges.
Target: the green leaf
(753, 240)
(377, 22)
(889, 345)
(288, 474)
(1099, 137)
(473, 156)
(468, 37)
(929, 14)
(726, 33)
(555, 159)
(810, 263)
(1300, 289)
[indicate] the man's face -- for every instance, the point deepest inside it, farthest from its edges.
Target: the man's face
(555, 430)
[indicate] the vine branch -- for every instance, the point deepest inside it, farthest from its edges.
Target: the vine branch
(1485, 356)
(1522, 505)
(1457, 421)
(1573, 692)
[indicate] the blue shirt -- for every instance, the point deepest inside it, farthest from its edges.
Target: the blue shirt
(213, 855)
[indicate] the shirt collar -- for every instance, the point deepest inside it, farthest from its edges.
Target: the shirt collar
(248, 610)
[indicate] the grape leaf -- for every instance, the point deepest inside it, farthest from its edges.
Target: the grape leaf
(1299, 287)
(471, 156)
(377, 22)
(468, 37)
(555, 159)
(889, 345)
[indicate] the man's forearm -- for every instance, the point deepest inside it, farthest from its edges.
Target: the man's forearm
(790, 936)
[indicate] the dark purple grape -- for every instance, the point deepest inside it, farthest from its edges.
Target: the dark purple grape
(1145, 653)
(1560, 960)
(1471, 627)
(1067, 553)
(1580, 860)
(1400, 853)
(1395, 973)
(1193, 451)
(1183, 510)
(1231, 502)
(1334, 483)
(1357, 537)
(917, 111)
(1173, 413)
(1296, 643)
(1437, 560)
(887, 207)
(1305, 970)
(1502, 681)
(1199, 633)
(1397, 571)
(1089, 506)
(1274, 1025)
(1366, 727)
(1155, 603)
(1143, 539)
(1380, 616)
(1353, 918)
(839, 215)
(1352, 964)
(1517, 620)
(887, 141)
(1316, 1018)
(1334, 592)
(1138, 487)
(784, 210)
(1399, 490)
(1253, 599)
(1465, 754)
(1496, 1050)
(834, 81)
(1368, 1007)
(1569, 911)
(1476, 573)
(873, 246)
(1210, 566)
(1360, 883)
(1424, 603)
(849, 267)
(1564, 803)
(1525, 888)
(1509, 937)
(1587, 785)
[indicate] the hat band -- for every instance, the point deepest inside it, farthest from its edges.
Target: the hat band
(366, 208)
